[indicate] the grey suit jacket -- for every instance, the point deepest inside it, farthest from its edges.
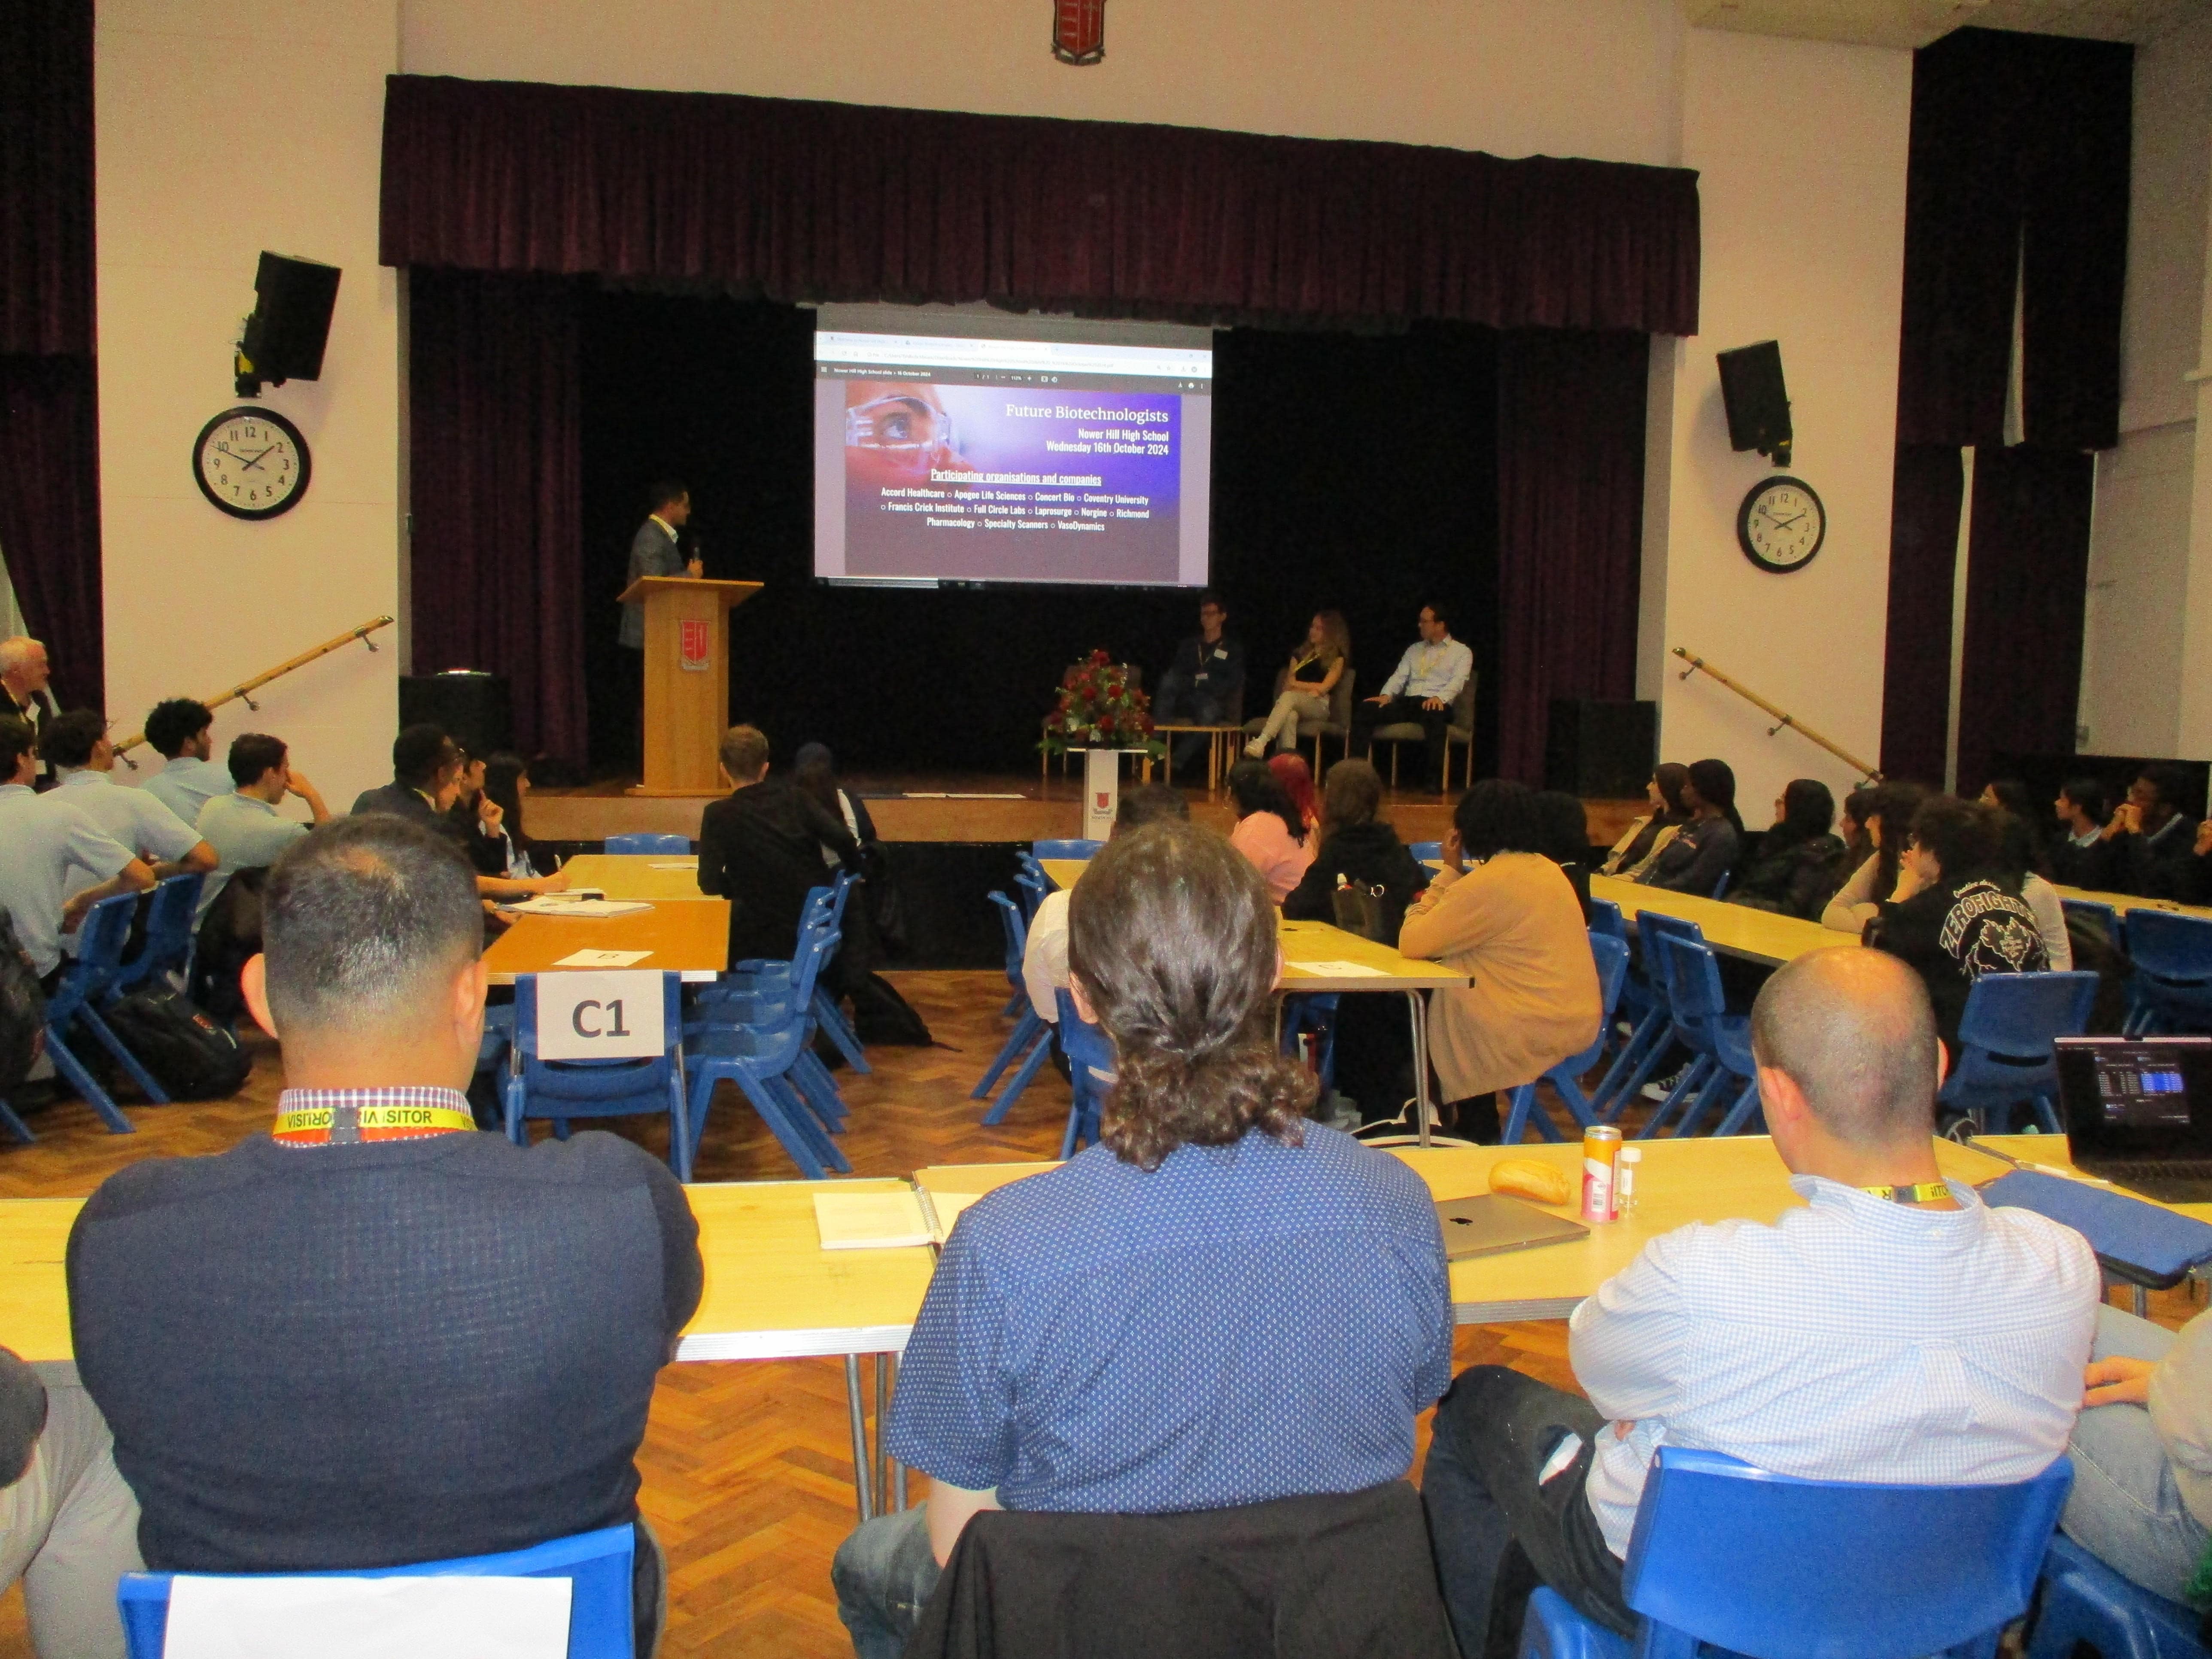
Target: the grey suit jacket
(653, 552)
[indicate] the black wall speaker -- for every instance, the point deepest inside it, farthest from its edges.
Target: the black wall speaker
(1757, 405)
(473, 708)
(291, 321)
(1601, 750)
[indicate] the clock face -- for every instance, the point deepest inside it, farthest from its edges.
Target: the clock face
(1781, 525)
(251, 462)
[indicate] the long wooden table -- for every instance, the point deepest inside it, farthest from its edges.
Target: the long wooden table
(1734, 930)
(2124, 903)
(636, 875)
(692, 937)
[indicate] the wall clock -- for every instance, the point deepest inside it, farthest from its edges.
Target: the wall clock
(251, 462)
(1781, 523)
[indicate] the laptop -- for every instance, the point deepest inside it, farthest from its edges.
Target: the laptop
(1494, 1223)
(2139, 1113)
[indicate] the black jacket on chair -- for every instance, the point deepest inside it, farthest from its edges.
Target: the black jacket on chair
(1299, 1578)
(760, 848)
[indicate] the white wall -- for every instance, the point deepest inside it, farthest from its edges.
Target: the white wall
(1801, 151)
(222, 131)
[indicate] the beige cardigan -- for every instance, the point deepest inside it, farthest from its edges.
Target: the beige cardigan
(1514, 925)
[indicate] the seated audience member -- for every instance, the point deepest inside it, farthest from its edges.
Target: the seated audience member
(2018, 865)
(1894, 1329)
(506, 786)
(1955, 916)
(1296, 779)
(69, 1527)
(1220, 1304)
(2141, 1501)
(468, 818)
(1795, 870)
(1205, 684)
(2011, 795)
(1269, 831)
(760, 848)
(1566, 840)
(375, 1336)
(84, 763)
(2080, 855)
(1358, 847)
(430, 776)
(44, 839)
(2152, 840)
(1317, 664)
(1505, 914)
(1705, 848)
(1044, 957)
(1420, 691)
(244, 827)
(24, 676)
(1654, 828)
(1886, 814)
(814, 770)
(182, 731)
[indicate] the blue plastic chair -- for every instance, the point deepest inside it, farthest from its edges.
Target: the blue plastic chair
(1032, 1034)
(1721, 1063)
(2102, 917)
(564, 1090)
(167, 945)
(1721, 887)
(2085, 1600)
(1566, 1077)
(1030, 884)
(645, 841)
(828, 1016)
(1312, 1014)
(1065, 849)
(1649, 1043)
(75, 1001)
(1090, 1053)
(763, 1041)
(2171, 990)
(1423, 851)
(600, 1563)
(1726, 1558)
(2005, 1057)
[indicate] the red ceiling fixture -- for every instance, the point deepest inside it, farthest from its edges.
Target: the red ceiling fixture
(1078, 31)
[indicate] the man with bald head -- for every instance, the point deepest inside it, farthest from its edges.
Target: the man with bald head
(1892, 1328)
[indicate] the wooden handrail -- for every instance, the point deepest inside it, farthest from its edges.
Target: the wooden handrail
(1782, 719)
(245, 688)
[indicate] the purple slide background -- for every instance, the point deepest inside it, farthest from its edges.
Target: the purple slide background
(1030, 544)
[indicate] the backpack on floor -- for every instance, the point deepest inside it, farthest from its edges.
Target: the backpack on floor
(191, 1056)
(22, 1010)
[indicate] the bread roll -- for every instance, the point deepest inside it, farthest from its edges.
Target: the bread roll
(1524, 1177)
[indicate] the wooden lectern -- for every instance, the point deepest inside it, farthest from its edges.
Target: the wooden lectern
(686, 680)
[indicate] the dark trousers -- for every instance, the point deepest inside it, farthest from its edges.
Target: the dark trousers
(1178, 702)
(1496, 1533)
(1366, 716)
(633, 692)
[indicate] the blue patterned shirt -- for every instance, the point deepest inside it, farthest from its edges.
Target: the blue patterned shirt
(1243, 1323)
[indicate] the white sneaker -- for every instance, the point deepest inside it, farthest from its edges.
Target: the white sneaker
(1660, 1088)
(1257, 748)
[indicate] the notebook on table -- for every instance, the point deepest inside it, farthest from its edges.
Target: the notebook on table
(1493, 1223)
(2139, 1113)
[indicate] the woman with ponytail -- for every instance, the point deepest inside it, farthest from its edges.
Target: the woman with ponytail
(1222, 1303)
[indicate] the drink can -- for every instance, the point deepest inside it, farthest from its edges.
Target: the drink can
(1600, 1164)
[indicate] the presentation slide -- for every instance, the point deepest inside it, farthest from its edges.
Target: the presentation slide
(946, 460)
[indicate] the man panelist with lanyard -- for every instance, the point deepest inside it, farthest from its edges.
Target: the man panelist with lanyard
(376, 1337)
(1428, 677)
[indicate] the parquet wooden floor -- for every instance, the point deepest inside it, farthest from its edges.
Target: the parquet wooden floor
(746, 1466)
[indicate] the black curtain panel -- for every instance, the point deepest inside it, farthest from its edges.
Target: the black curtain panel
(2028, 569)
(1929, 490)
(497, 554)
(1571, 528)
(45, 178)
(50, 514)
(2017, 182)
(814, 201)
(1357, 471)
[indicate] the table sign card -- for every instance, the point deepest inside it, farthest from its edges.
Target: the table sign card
(411, 1618)
(590, 1016)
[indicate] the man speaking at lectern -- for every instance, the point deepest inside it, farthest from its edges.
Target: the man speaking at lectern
(652, 553)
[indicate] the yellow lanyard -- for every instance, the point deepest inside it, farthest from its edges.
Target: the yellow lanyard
(311, 1125)
(1921, 1192)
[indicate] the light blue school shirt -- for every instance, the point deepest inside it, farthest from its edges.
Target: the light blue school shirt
(187, 784)
(43, 838)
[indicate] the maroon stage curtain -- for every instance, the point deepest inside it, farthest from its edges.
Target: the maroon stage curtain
(1929, 488)
(50, 515)
(496, 494)
(812, 201)
(1571, 529)
(2027, 573)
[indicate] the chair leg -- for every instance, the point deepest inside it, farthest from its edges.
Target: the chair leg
(1691, 1081)
(802, 1118)
(786, 1134)
(16, 1125)
(72, 1069)
(1524, 1111)
(1741, 1113)
(1017, 1045)
(1710, 1094)
(831, 1019)
(1022, 1079)
(1645, 1045)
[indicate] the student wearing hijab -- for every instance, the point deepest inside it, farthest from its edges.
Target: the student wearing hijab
(1797, 865)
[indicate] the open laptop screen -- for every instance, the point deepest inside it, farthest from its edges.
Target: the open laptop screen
(2137, 1096)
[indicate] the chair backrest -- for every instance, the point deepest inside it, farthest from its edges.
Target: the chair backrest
(2169, 946)
(2018, 1015)
(1340, 701)
(1089, 1051)
(1611, 954)
(1018, 936)
(1606, 918)
(643, 841)
(1720, 1552)
(1462, 710)
(1655, 930)
(600, 1563)
(1067, 849)
(100, 937)
(1030, 882)
(169, 942)
(2102, 917)
(1694, 983)
(595, 1080)
(1721, 887)
(840, 891)
(1423, 851)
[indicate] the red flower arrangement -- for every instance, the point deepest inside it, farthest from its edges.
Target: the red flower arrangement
(1100, 707)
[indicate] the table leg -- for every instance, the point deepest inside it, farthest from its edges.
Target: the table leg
(1417, 1012)
(882, 1481)
(2143, 1302)
(860, 1460)
(898, 1487)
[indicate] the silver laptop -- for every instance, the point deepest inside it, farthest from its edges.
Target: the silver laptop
(1494, 1223)
(2139, 1113)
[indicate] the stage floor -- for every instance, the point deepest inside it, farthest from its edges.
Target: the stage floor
(966, 807)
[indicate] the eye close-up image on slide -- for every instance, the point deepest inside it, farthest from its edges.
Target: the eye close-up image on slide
(1021, 457)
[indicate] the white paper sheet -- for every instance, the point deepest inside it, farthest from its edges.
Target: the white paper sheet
(369, 1618)
(601, 958)
(676, 864)
(1339, 969)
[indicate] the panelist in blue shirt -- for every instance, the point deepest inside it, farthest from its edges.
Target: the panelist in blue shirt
(1420, 691)
(1221, 1303)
